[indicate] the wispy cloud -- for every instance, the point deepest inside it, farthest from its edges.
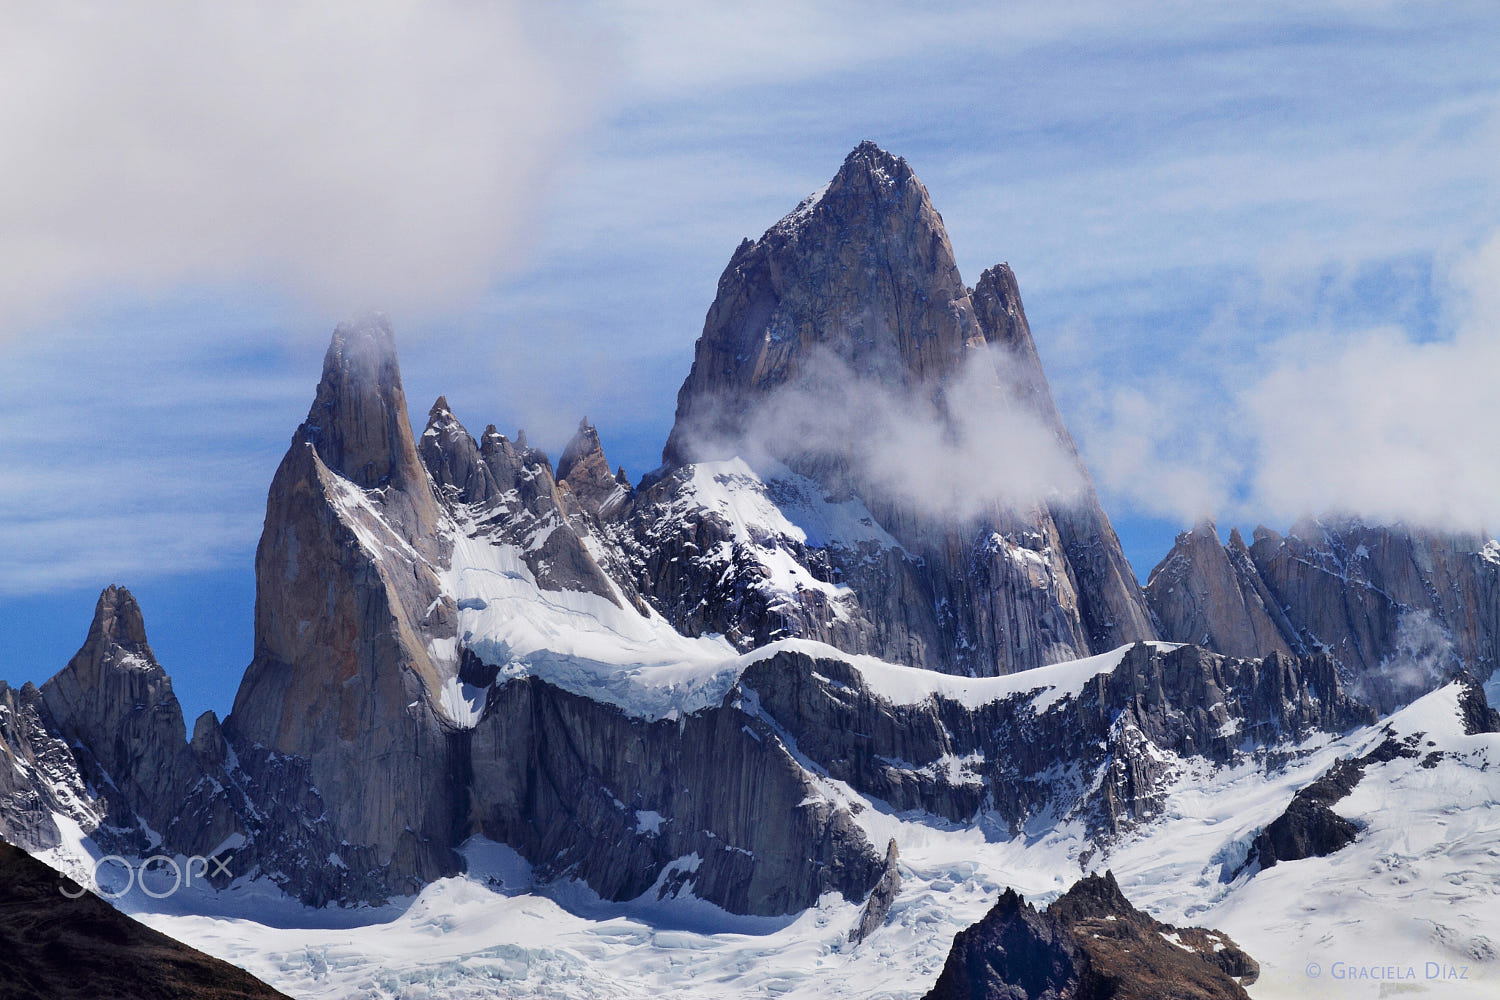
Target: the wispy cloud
(119, 471)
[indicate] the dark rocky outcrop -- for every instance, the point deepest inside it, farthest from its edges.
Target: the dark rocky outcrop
(864, 274)
(1474, 707)
(1115, 737)
(1401, 610)
(61, 946)
(1309, 828)
(878, 906)
(1089, 944)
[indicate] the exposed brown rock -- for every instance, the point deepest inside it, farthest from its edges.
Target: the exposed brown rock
(1206, 593)
(584, 471)
(113, 703)
(349, 609)
(1090, 943)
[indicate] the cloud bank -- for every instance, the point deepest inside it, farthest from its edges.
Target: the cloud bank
(354, 154)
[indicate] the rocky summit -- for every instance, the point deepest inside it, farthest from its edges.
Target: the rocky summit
(1090, 943)
(858, 285)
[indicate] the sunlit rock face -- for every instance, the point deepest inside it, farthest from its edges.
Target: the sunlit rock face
(353, 634)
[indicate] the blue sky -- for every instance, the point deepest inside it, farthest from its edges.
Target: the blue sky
(1256, 244)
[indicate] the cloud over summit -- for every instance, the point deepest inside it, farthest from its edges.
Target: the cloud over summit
(955, 454)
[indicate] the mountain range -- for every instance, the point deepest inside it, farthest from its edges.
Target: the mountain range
(869, 602)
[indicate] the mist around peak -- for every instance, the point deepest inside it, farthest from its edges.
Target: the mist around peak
(952, 451)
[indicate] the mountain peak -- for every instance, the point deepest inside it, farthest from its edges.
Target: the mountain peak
(860, 274)
(118, 620)
(584, 468)
(452, 457)
(869, 159)
(869, 186)
(358, 421)
(583, 446)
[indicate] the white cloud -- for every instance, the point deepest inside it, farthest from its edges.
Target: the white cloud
(1377, 423)
(385, 152)
(1385, 428)
(956, 454)
(1161, 444)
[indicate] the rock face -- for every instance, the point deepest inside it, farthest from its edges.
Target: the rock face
(1401, 610)
(878, 905)
(103, 745)
(714, 802)
(1103, 754)
(353, 633)
(1214, 594)
(511, 495)
(78, 946)
(584, 472)
(39, 776)
(1089, 943)
(861, 277)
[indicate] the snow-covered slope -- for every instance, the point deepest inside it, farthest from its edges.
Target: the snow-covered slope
(1418, 886)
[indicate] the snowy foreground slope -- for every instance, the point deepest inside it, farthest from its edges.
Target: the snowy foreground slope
(1413, 896)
